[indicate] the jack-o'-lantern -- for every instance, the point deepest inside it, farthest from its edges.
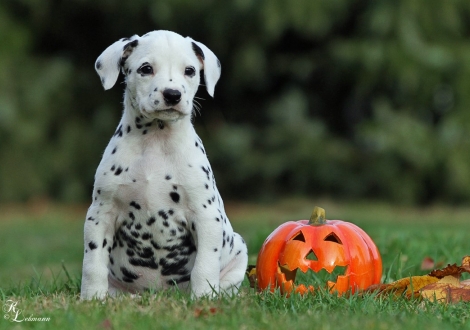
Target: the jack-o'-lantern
(338, 248)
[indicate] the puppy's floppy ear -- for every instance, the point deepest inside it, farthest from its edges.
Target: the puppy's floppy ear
(109, 63)
(210, 64)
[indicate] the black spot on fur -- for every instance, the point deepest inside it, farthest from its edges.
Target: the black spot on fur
(155, 245)
(118, 171)
(146, 236)
(128, 275)
(114, 151)
(175, 197)
(163, 214)
(92, 245)
(135, 204)
(118, 131)
(130, 252)
(167, 177)
(91, 218)
(131, 215)
(173, 268)
(138, 226)
(207, 171)
(150, 263)
(98, 65)
(150, 221)
(128, 128)
(105, 242)
(182, 279)
(145, 253)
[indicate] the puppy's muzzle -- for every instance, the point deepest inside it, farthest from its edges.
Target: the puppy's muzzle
(171, 96)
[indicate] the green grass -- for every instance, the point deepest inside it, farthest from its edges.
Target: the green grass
(41, 252)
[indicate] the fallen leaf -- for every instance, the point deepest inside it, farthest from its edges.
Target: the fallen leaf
(448, 290)
(427, 263)
(466, 282)
(466, 263)
(198, 312)
(453, 270)
(408, 286)
(452, 280)
(442, 285)
(251, 274)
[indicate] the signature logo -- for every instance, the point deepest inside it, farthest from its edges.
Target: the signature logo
(13, 313)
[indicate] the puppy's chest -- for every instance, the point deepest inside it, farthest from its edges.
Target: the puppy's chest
(155, 175)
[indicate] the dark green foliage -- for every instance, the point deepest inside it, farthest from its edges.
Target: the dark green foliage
(344, 98)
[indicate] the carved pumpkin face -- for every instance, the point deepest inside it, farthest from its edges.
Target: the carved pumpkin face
(329, 246)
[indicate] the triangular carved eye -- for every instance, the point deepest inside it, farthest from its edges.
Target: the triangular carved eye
(299, 237)
(333, 238)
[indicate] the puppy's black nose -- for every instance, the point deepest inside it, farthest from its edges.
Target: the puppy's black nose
(171, 96)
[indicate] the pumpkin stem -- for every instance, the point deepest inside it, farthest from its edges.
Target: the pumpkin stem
(318, 217)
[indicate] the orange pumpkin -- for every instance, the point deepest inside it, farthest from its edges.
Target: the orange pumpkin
(314, 245)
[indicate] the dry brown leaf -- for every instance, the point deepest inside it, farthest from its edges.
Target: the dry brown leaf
(466, 282)
(447, 290)
(427, 263)
(198, 312)
(441, 285)
(466, 263)
(251, 274)
(408, 286)
(453, 270)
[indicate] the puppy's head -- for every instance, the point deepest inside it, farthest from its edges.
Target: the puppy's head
(162, 72)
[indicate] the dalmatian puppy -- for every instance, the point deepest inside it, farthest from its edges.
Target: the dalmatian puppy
(157, 220)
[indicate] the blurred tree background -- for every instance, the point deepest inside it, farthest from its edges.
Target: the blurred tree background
(344, 98)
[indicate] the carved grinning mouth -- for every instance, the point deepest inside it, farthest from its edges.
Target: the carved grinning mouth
(323, 278)
(320, 279)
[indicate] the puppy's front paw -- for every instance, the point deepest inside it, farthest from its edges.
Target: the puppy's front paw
(94, 283)
(92, 294)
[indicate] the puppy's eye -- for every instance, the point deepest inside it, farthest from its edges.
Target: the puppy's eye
(190, 71)
(145, 69)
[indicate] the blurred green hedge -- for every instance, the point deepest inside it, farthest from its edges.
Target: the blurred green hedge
(351, 99)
